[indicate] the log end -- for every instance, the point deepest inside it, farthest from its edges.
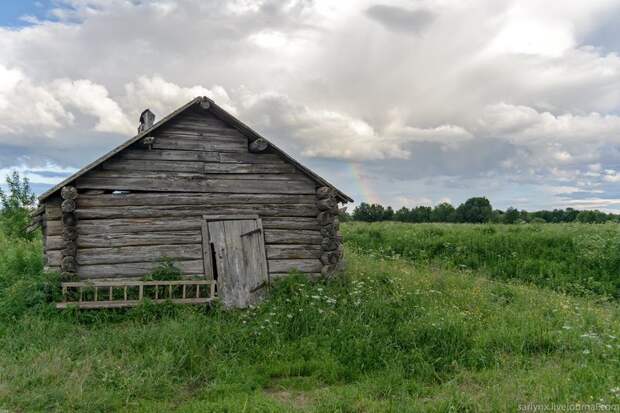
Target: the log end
(69, 192)
(258, 145)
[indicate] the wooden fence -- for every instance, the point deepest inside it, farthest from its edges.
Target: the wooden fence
(129, 293)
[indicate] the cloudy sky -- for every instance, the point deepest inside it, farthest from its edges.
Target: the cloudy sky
(399, 102)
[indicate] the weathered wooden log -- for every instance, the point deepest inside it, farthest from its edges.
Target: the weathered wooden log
(276, 236)
(53, 258)
(305, 265)
(69, 192)
(53, 212)
(325, 218)
(310, 275)
(136, 269)
(328, 270)
(68, 264)
(327, 204)
(128, 239)
(258, 145)
(334, 209)
(163, 198)
(203, 145)
(196, 183)
(329, 230)
(292, 251)
(330, 257)
(204, 104)
(324, 192)
(69, 220)
(130, 168)
(68, 205)
(279, 210)
(92, 192)
(69, 233)
(152, 253)
(70, 249)
(329, 244)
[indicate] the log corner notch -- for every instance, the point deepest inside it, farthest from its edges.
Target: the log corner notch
(331, 244)
(68, 264)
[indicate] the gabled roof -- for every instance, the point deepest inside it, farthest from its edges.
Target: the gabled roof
(219, 113)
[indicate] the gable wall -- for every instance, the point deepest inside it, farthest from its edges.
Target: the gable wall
(196, 166)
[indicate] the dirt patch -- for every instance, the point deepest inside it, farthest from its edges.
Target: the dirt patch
(295, 398)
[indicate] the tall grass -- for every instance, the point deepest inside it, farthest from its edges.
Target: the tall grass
(576, 258)
(388, 336)
(23, 285)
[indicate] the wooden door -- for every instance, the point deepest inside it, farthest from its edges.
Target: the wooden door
(236, 258)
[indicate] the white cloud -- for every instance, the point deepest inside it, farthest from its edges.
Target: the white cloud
(26, 106)
(163, 96)
(93, 99)
(520, 99)
(319, 133)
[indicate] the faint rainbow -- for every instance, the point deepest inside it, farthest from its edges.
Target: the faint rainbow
(362, 184)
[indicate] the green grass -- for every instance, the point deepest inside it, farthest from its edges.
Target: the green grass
(574, 258)
(390, 336)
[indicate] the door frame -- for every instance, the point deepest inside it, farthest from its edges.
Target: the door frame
(208, 263)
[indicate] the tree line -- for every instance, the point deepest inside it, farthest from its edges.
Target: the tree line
(475, 210)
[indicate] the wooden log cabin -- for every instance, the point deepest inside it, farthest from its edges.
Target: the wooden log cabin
(203, 189)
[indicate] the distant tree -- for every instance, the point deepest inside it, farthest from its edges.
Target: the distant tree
(371, 212)
(16, 205)
(402, 215)
(475, 210)
(592, 217)
(443, 212)
(511, 216)
(362, 212)
(570, 215)
(497, 217)
(421, 214)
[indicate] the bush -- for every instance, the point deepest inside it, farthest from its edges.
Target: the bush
(165, 271)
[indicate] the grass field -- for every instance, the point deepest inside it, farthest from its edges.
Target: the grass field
(573, 258)
(399, 333)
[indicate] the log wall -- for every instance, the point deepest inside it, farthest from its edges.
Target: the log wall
(148, 202)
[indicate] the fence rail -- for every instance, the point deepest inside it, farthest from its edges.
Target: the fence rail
(129, 293)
